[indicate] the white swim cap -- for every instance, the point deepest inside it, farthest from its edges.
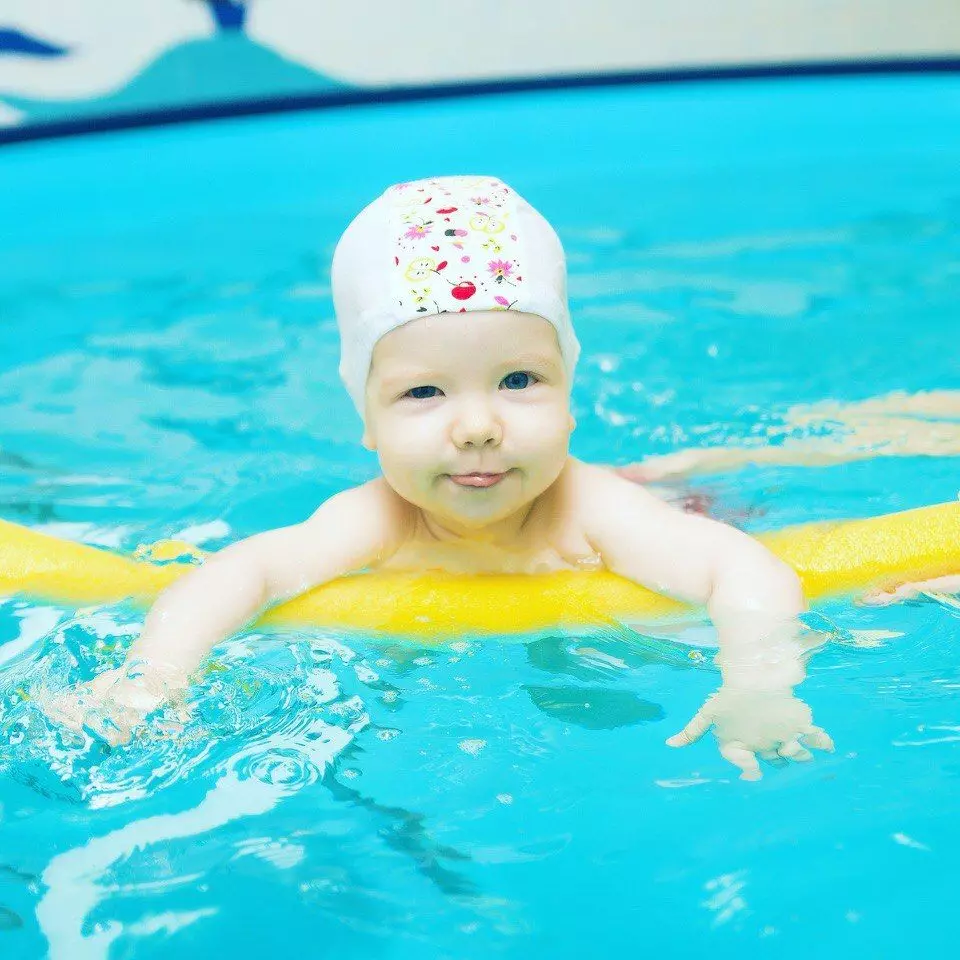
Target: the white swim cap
(451, 244)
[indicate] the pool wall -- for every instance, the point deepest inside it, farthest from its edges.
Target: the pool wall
(109, 65)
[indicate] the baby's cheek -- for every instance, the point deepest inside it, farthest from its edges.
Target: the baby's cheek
(403, 476)
(544, 446)
(411, 450)
(547, 427)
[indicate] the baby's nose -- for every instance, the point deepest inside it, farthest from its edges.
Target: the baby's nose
(477, 426)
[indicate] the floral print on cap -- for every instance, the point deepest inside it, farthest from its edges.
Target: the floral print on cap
(455, 247)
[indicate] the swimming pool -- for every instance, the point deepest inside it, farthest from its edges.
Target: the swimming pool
(169, 368)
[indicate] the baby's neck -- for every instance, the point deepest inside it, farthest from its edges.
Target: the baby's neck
(508, 533)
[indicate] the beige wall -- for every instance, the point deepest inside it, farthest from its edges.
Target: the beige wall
(426, 40)
(113, 44)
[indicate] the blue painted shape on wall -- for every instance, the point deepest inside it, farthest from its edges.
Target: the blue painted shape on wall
(229, 66)
(13, 41)
(230, 14)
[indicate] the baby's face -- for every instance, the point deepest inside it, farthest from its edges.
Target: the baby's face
(469, 413)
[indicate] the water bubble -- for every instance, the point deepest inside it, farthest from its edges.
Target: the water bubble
(283, 767)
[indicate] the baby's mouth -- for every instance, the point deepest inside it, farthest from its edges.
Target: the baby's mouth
(477, 479)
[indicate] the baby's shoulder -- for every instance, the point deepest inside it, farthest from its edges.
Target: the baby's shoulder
(583, 501)
(601, 500)
(372, 507)
(587, 484)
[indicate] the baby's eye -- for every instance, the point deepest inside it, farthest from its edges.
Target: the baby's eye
(518, 380)
(423, 393)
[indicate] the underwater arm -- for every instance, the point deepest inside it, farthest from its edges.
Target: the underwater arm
(911, 590)
(900, 424)
(698, 461)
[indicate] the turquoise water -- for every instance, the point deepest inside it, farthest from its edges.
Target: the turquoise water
(168, 367)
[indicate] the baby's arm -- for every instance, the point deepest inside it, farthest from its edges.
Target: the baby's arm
(348, 532)
(753, 598)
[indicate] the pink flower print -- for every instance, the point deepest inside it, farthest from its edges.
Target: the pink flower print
(501, 270)
(503, 301)
(480, 201)
(417, 231)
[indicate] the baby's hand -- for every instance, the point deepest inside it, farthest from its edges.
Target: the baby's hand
(910, 591)
(116, 702)
(756, 725)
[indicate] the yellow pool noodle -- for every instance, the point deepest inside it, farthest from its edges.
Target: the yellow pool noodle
(831, 558)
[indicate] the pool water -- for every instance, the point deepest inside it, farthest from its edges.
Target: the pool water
(168, 368)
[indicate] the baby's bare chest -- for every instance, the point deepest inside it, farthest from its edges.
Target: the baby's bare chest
(559, 549)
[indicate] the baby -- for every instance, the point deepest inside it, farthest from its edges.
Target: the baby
(458, 351)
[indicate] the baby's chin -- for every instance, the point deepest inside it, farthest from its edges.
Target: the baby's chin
(475, 507)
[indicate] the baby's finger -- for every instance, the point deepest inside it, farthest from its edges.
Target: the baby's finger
(741, 757)
(818, 738)
(692, 732)
(793, 750)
